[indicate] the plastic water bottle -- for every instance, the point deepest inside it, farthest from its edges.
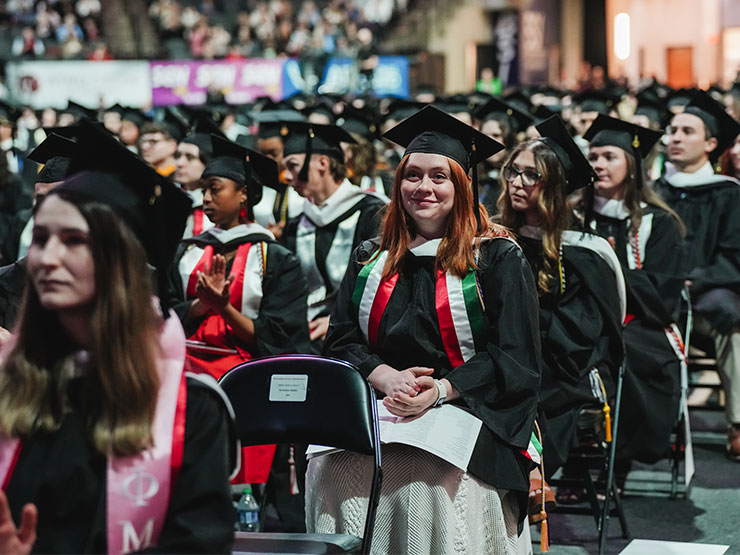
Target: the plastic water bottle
(248, 512)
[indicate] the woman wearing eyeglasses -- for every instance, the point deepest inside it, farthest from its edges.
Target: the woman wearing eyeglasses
(579, 281)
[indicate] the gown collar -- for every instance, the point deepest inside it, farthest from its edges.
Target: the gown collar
(341, 201)
(223, 236)
(427, 248)
(703, 176)
(611, 208)
(531, 231)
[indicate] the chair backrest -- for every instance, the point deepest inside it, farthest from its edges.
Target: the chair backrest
(303, 399)
(308, 399)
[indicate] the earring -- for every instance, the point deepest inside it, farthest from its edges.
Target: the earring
(243, 213)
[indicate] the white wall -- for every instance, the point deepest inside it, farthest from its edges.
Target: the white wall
(659, 24)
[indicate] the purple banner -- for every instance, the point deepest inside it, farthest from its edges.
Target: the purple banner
(240, 81)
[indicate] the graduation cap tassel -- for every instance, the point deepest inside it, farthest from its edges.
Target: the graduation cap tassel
(303, 174)
(476, 203)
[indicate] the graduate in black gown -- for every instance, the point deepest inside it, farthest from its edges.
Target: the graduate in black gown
(106, 445)
(580, 283)
(400, 318)
(709, 204)
(337, 215)
(647, 238)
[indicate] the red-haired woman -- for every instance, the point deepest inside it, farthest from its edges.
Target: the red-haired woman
(442, 309)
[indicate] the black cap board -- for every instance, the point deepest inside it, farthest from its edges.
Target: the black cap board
(650, 105)
(304, 137)
(273, 123)
(578, 170)
(54, 153)
(595, 101)
(244, 166)
(433, 131)
(718, 122)
(358, 121)
(608, 131)
(200, 135)
(518, 120)
(104, 170)
(634, 139)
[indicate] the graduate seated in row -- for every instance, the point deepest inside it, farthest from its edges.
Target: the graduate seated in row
(647, 238)
(241, 295)
(442, 308)
(337, 215)
(579, 282)
(105, 444)
(709, 205)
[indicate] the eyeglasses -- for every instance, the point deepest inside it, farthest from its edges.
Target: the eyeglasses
(529, 177)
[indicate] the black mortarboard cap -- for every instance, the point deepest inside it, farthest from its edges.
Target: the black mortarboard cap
(176, 122)
(68, 132)
(54, 153)
(304, 137)
(8, 112)
(400, 109)
(519, 100)
(243, 165)
(595, 101)
(650, 105)
(680, 97)
(433, 131)
(634, 139)
(117, 108)
(134, 116)
(79, 111)
(718, 122)
(247, 141)
(455, 104)
(578, 170)
(200, 134)
(324, 107)
(274, 123)
(104, 170)
(519, 120)
(542, 112)
(358, 121)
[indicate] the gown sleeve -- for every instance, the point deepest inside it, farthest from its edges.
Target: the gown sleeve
(500, 384)
(282, 324)
(200, 517)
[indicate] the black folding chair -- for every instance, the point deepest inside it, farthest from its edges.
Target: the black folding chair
(306, 399)
(594, 453)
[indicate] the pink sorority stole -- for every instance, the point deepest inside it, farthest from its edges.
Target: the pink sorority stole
(139, 487)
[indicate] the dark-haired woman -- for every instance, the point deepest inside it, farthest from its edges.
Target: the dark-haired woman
(647, 238)
(579, 281)
(105, 445)
(438, 310)
(242, 294)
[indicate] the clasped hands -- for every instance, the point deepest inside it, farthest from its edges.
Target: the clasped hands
(408, 392)
(17, 540)
(213, 288)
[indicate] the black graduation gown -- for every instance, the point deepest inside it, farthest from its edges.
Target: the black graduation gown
(63, 475)
(12, 237)
(580, 329)
(281, 327)
(652, 386)
(367, 227)
(498, 385)
(12, 282)
(712, 249)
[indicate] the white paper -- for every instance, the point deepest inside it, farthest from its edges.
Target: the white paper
(447, 432)
(288, 387)
(656, 547)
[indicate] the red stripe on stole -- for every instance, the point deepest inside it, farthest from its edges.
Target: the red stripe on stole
(385, 289)
(446, 325)
(237, 270)
(178, 433)
(9, 475)
(198, 221)
(203, 263)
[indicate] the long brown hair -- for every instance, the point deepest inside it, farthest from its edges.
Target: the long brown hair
(455, 253)
(583, 199)
(119, 392)
(554, 213)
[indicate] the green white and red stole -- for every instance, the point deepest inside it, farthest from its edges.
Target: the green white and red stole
(462, 324)
(139, 487)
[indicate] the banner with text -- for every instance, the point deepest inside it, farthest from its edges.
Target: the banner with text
(240, 81)
(51, 84)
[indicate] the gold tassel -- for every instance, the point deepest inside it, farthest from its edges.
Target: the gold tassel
(608, 422)
(544, 535)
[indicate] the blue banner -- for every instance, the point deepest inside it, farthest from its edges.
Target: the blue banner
(390, 77)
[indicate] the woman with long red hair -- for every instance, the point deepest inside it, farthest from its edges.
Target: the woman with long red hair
(441, 309)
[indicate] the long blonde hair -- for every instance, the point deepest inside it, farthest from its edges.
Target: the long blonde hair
(555, 217)
(119, 391)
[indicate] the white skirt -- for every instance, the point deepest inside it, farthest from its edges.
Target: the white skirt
(426, 504)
